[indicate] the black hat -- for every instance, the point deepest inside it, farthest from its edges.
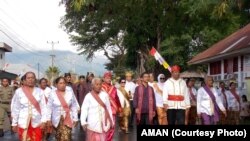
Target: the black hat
(82, 76)
(67, 74)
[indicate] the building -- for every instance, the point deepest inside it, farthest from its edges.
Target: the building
(229, 59)
(21, 69)
(3, 48)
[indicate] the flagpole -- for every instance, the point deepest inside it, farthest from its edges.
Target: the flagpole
(159, 58)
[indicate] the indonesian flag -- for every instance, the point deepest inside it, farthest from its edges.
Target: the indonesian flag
(159, 58)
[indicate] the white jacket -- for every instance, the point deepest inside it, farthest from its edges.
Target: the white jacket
(55, 109)
(20, 109)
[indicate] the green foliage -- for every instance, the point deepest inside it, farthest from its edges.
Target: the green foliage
(179, 29)
(52, 72)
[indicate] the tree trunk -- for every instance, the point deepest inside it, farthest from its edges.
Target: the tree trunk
(141, 62)
(158, 40)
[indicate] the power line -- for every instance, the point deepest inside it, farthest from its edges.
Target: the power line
(17, 36)
(19, 44)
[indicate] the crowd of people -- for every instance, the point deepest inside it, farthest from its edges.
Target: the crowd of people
(97, 104)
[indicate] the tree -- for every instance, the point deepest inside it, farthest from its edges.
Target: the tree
(178, 29)
(52, 73)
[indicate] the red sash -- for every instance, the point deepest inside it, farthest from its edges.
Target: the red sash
(175, 97)
(98, 99)
(115, 104)
(32, 99)
(235, 96)
(151, 102)
(67, 120)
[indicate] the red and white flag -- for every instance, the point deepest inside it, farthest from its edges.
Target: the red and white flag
(159, 58)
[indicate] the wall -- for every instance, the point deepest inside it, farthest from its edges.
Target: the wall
(2, 59)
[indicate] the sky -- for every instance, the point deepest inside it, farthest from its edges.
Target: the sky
(28, 25)
(31, 23)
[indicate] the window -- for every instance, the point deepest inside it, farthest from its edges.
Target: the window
(215, 68)
(225, 66)
(235, 64)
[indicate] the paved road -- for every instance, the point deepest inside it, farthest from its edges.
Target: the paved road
(77, 135)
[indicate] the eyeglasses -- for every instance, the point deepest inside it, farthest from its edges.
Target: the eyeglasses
(162, 78)
(123, 82)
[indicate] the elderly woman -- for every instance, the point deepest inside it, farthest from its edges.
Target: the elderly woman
(62, 110)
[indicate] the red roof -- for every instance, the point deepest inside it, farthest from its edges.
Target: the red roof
(238, 40)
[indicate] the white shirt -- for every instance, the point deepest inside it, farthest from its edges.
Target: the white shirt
(68, 88)
(205, 104)
(93, 114)
(130, 86)
(158, 96)
(20, 109)
(46, 92)
(122, 99)
(222, 97)
(232, 102)
(55, 109)
(176, 87)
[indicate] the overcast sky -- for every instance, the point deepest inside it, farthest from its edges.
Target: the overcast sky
(31, 23)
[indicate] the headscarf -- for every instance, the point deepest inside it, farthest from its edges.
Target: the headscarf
(160, 84)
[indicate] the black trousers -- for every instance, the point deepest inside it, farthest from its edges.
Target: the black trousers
(144, 119)
(131, 120)
(176, 116)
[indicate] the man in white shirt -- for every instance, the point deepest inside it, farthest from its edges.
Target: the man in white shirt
(96, 113)
(176, 98)
(29, 110)
(130, 88)
(209, 103)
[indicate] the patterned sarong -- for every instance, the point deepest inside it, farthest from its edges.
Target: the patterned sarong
(63, 132)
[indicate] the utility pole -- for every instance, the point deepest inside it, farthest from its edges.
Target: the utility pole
(38, 70)
(52, 58)
(52, 52)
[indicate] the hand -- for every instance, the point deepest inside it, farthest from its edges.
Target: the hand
(75, 123)
(153, 113)
(199, 116)
(112, 125)
(166, 106)
(14, 128)
(136, 110)
(120, 110)
(49, 124)
(42, 126)
(225, 113)
(84, 127)
(120, 114)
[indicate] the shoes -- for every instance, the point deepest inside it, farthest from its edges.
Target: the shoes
(1, 133)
